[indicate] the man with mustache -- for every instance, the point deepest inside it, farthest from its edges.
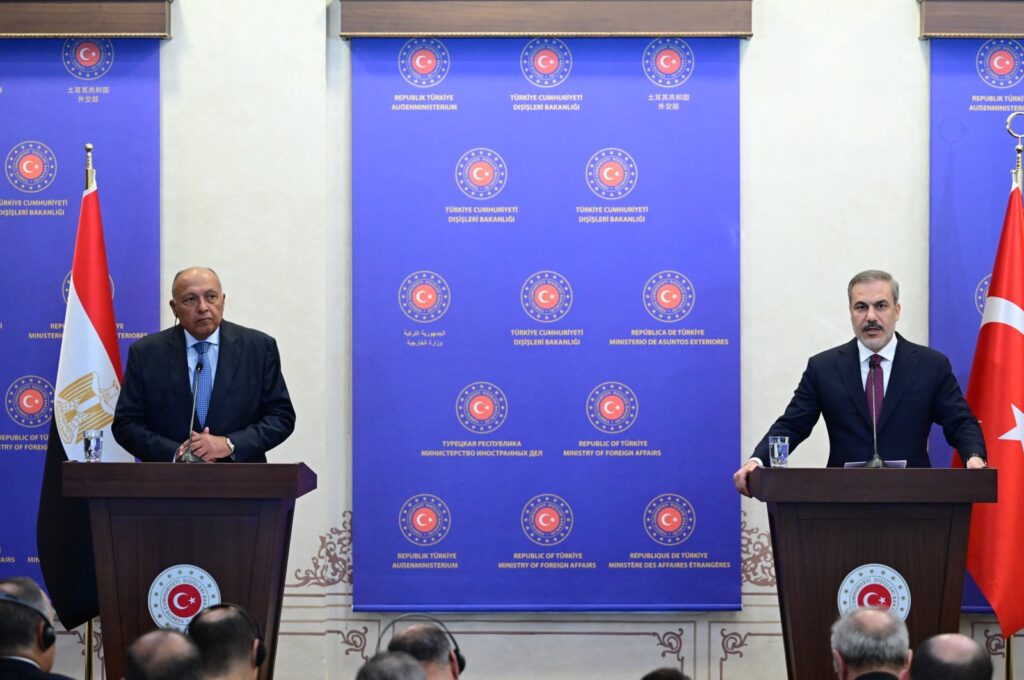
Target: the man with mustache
(915, 389)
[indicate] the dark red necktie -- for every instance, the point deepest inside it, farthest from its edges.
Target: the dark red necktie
(874, 388)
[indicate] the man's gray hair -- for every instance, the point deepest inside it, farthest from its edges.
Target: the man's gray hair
(864, 641)
(178, 274)
(391, 666)
(18, 623)
(874, 275)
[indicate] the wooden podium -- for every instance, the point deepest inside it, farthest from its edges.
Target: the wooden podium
(827, 522)
(232, 520)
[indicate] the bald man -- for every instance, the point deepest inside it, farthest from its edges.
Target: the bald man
(431, 646)
(162, 655)
(951, 657)
(870, 644)
(232, 372)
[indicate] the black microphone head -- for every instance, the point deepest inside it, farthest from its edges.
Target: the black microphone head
(199, 366)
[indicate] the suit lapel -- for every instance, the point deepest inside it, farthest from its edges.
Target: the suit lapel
(848, 364)
(227, 364)
(177, 369)
(904, 366)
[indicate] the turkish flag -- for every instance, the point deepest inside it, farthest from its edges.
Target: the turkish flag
(995, 392)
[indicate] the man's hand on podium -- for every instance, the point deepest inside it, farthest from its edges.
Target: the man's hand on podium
(976, 463)
(739, 478)
(210, 447)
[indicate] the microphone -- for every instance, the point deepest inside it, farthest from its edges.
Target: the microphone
(187, 456)
(876, 460)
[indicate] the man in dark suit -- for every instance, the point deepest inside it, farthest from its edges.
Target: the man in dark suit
(242, 403)
(909, 386)
(27, 639)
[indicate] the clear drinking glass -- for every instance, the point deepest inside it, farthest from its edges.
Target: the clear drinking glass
(778, 451)
(93, 444)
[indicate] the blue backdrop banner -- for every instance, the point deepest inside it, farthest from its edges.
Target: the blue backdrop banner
(546, 324)
(56, 95)
(975, 85)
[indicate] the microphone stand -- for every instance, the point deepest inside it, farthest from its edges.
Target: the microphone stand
(876, 461)
(187, 456)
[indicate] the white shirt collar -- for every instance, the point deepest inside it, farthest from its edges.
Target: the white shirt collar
(214, 338)
(888, 352)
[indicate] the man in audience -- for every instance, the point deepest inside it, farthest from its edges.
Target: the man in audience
(162, 655)
(432, 647)
(951, 657)
(230, 643)
(391, 666)
(27, 639)
(870, 644)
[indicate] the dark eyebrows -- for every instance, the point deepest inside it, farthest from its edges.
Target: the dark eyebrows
(861, 304)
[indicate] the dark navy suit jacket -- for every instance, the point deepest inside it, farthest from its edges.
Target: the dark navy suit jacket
(250, 402)
(13, 669)
(922, 390)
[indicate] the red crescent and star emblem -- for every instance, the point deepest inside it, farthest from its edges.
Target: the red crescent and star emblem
(179, 593)
(874, 585)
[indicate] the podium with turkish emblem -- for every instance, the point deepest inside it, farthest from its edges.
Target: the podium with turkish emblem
(843, 538)
(171, 539)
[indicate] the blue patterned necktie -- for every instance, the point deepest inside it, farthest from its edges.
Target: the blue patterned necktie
(204, 383)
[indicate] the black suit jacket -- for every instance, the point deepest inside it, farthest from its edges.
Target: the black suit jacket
(922, 390)
(13, 669)
(249, 404)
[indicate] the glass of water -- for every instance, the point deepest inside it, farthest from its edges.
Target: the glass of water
(778, 451)
(93, 444)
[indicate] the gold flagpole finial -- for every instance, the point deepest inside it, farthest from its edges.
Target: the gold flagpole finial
(90, 172)
(1020, 145)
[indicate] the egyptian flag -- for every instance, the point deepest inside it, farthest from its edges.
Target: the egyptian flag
(87, 387)
(995, 392)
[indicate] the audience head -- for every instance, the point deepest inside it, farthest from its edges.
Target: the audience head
(666, 674)
(162, 655)
(433, 647)
(391, 666)
(866, 640)
(951, 657)
(26, 622)
(230, 642)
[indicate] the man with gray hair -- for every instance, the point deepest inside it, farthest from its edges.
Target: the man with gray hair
(951, 657)
(230, 373)
(391, 666)
(878, 392)
(870, 644)
(432, 647)
(27, 639)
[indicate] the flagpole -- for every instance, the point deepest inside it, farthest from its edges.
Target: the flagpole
(90, 178)
(1020, 145)
(90, 172)
(1008, 674)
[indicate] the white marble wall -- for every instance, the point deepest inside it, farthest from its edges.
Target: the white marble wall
(256, 176)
